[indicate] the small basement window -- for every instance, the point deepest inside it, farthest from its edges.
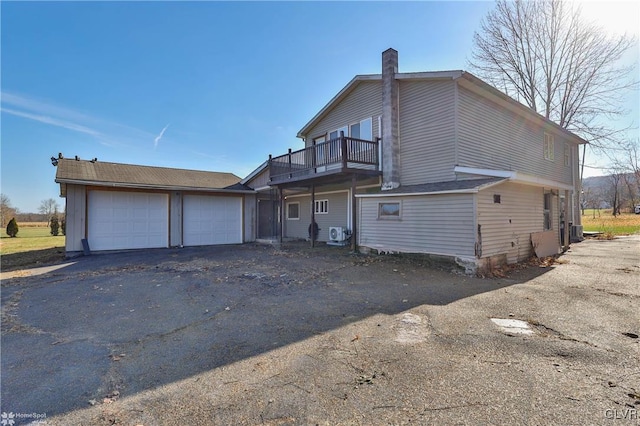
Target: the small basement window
(293, 211)
(388, 210)
(496, 198)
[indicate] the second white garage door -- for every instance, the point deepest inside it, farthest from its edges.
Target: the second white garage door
(210, 220)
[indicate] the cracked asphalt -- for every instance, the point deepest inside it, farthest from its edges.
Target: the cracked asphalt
(262, 335)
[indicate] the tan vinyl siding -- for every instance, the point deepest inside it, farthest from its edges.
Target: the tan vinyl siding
(435, 224)
(427, 131)
(337, 216)
(249, 217)
(492, 137)
(506, 227)
(365, 101)
(76, 217)
(175, 237)
(260, 181)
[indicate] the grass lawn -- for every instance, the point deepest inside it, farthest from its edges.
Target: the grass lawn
(34, 246)
(624, 224)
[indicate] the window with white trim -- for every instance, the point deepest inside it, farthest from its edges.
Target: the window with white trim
(362, 130)
(547, 211)
(293, 211)
(321, 206)
(549, 147)
(567, 155)
(388, 210)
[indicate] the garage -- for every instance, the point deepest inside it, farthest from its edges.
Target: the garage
(210, 220)
(127, 220)
(118, 206)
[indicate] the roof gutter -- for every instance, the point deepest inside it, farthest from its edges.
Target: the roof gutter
(148, 186)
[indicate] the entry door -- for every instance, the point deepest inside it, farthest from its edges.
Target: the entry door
(266, 219)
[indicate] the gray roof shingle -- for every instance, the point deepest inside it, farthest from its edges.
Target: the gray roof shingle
(128, 175)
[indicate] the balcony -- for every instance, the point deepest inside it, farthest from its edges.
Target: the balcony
(339, 156)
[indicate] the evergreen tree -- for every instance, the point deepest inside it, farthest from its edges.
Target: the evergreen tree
(63, 226)
(55, 226)
(12, 228)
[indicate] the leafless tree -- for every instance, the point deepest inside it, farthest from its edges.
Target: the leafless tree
(6, 211)
(627, 161)
(632, 150)
(546, 55)
(615, 191)
(593, 198)
(48, 207)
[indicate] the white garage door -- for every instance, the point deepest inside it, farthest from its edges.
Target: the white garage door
(127, 220)
(212, 220)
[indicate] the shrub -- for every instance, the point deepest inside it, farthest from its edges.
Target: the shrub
(63, 226)
(12, 228)
(55, 226)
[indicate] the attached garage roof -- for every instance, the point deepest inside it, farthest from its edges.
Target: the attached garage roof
(100, 173)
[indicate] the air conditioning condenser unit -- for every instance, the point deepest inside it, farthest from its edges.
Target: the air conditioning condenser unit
(337, 233)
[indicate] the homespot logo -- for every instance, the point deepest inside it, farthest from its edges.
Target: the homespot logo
(9, 419)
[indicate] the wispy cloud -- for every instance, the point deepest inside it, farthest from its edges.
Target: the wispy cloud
(103, 131)
(157, 139)
(53, 121)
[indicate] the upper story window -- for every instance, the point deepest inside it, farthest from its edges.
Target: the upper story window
(567, 155)
(549, 147)
(336, 133)
(360, 130)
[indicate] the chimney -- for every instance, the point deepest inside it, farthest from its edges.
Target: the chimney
(390, 142)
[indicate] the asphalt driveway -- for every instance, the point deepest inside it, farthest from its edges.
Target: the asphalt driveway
(255, 334)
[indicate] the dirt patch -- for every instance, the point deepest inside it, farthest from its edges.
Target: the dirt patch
(32, 259)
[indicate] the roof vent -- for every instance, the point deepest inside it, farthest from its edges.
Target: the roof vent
(77, 158)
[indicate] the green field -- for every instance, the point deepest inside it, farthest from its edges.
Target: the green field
(33, 246)
(624, 224)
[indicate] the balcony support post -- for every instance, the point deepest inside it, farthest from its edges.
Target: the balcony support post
(354, 213)
(343, 147)
(312, 227)
(280, 215)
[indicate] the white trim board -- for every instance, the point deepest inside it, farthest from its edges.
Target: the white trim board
(513, 176)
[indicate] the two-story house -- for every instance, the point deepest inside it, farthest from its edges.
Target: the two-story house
(438, 163)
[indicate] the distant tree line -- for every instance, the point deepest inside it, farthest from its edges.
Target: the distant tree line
(619, 191)
(49, 212)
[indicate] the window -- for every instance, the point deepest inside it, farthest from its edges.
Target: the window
(549, 147)
(293, 211)
(336, 133)
(547, 211)
(567, 155)
(321, 206)
(496, 198)
(362, 130)
(320, 145)
(388, 210)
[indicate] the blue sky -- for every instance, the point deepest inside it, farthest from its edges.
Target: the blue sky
(200, 85)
